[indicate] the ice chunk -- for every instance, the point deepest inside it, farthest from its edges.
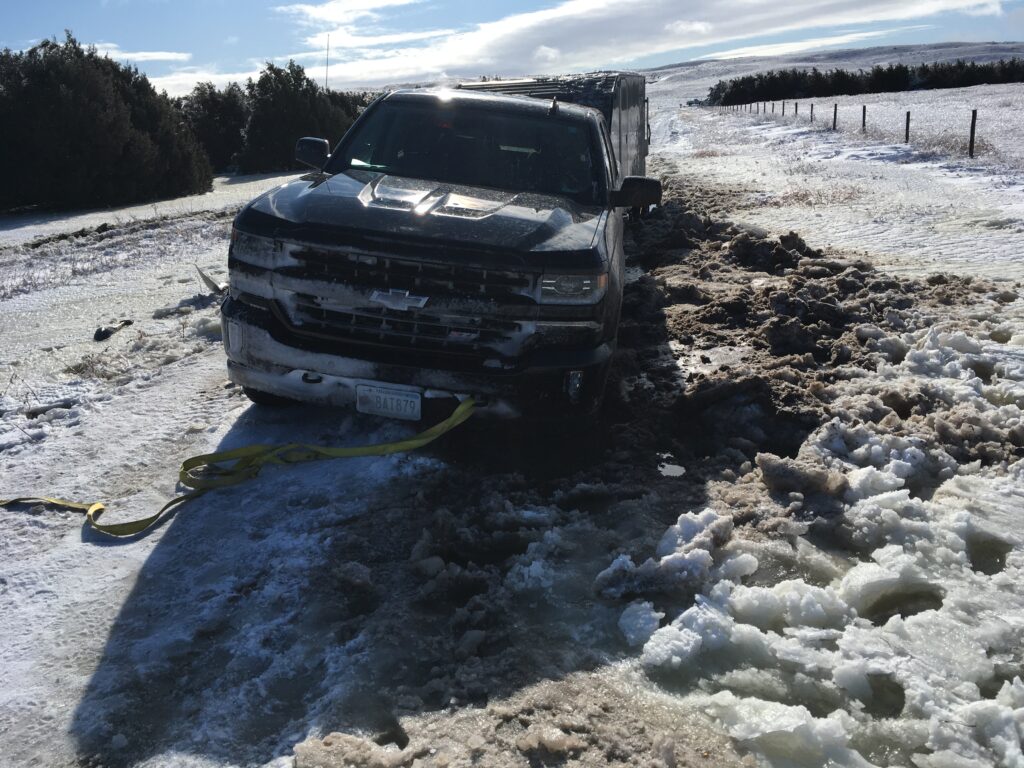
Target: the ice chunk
(868, 481)
(787, 735)
(671, 647)
(638, 622)
(684, 557)
(791, 603)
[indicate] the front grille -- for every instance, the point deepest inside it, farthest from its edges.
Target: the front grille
(476, 337)
(430, 278)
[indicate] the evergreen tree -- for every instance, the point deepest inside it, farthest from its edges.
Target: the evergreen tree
(800, 84)
(286, 105)
(218, 120)
(82, 130)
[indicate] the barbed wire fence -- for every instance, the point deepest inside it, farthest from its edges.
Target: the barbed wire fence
(778, 110)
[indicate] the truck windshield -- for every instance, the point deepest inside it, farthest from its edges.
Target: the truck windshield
(469, 146)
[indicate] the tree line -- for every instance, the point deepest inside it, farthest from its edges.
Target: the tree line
(814, 83)
(82, 130)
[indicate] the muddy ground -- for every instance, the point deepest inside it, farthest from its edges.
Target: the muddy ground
(478, 588)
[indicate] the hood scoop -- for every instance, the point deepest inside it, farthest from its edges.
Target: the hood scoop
(424, 197)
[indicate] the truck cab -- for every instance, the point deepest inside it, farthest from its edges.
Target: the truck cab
(455, 244)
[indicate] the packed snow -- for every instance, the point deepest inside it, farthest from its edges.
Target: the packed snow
(940, 120)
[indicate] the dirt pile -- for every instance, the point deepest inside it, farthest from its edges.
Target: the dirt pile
(738, 336)
(733, 348)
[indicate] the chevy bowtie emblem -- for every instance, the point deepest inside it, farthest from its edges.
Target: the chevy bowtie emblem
(400, 300)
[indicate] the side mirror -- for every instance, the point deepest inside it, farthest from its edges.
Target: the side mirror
(636, 192)
(312, 152)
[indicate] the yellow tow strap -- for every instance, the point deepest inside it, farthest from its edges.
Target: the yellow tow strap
(218, 470)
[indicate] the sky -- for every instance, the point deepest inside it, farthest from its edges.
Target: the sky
(178, 43)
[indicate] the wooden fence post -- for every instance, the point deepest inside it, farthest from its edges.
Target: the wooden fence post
(812, 112)
(783, 109)
(773, 107)
(974, 125)
(864, 119)
(835, 115)
(907, 137)
(796, 107)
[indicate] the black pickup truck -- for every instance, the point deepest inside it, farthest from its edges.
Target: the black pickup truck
(457, 243)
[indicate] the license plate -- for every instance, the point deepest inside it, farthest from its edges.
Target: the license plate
(393, 403)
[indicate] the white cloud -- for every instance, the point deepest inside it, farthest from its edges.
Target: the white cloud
(182, 81)
(345, 39)
(115, 52)
(811, 44)
(340, 11)
(585, 34)
(369, 46)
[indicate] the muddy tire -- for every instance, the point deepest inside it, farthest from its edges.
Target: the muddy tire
(265, 398)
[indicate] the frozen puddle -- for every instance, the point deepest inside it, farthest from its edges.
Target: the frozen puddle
(883, 629)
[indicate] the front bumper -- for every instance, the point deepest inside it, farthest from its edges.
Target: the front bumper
(556, 381)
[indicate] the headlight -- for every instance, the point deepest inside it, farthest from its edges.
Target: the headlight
(259, 251)
(572, 289)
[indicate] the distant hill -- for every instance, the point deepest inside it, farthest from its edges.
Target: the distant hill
(693, 79)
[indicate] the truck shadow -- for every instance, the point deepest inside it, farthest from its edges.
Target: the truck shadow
(347, 595)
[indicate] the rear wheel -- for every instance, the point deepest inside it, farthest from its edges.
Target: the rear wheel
(265, 398)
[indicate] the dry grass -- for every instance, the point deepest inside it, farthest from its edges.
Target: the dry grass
(105, 365)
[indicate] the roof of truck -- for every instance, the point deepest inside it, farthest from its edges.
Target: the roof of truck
(497, 101)
(548, 86)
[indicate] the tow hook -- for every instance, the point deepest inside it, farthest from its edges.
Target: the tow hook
(573, 385)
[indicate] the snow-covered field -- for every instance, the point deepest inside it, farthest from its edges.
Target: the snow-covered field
(693, 79)
(794, 541)
(940, 120)
(912, 210)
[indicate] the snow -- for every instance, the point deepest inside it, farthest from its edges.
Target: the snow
(905, 650)
(639, 621)
(872, 615)
(926, 207)
(923, 607)
(228, 192)
(693, 80)
(684, 556)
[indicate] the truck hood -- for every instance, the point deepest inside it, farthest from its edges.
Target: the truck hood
(378, 204)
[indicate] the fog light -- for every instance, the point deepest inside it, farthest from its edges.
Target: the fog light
(312, 378)
(573, 385)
